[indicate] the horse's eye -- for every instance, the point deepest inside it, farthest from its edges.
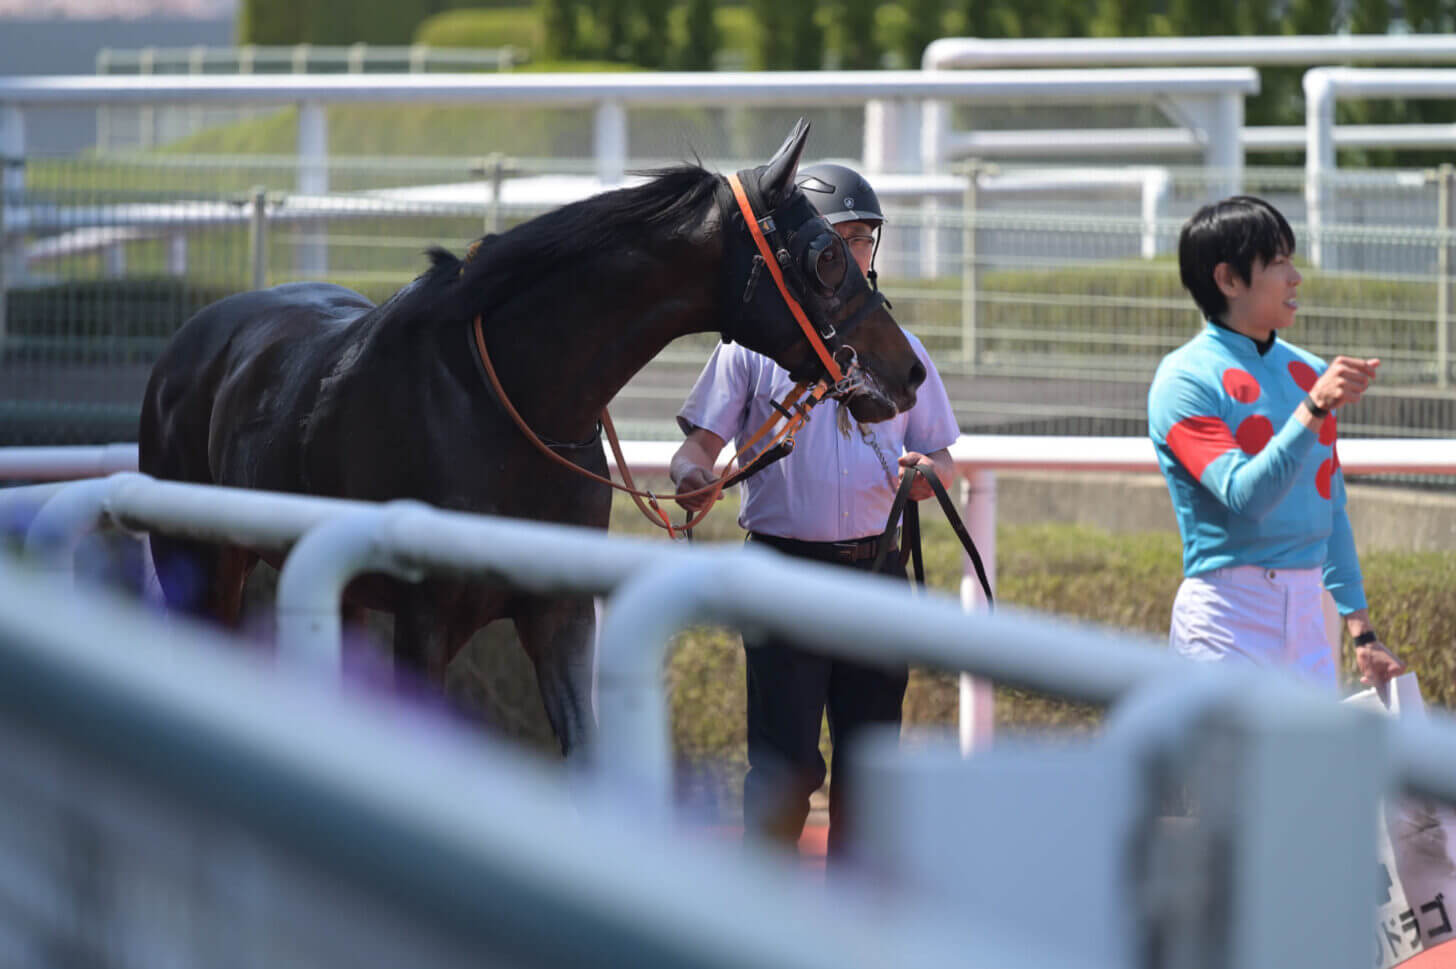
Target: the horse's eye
(829, 266)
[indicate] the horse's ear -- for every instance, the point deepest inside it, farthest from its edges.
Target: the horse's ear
(777, 180)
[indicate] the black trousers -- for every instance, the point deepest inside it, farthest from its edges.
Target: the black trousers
(789, 691)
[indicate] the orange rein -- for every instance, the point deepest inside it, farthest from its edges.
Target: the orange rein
(650, 509)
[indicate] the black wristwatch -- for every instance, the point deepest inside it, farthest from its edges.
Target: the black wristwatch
(1314, 408)
(1366, 638)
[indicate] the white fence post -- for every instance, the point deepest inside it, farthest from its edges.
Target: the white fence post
(1156, 184)
(1445, 182)
(977, 696)
(313, 180)
(258, 236)
(1319, 160)
(12, 193)
(312, 582)
(610, 140)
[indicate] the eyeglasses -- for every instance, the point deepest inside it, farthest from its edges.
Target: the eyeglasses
(860, 241)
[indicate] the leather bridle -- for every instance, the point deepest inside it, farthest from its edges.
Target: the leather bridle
(773, 253)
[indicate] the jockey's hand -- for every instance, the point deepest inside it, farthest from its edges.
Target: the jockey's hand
(1377, 664)
(1343, 382)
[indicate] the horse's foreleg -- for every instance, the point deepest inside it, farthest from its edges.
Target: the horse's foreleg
(557, 635)
(201, 578)
(421, 649)
(229, 577)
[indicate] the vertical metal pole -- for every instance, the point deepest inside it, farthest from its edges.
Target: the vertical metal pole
(495, 164)
(878, 148)
(197, 115)
(970, 356)
(1444, 178)
(1319, 161)
(12, 193)
(177, 254)
(610, 141)
(103, 112)
(1155, 194)
(977, 697)
(258, 237)
(313, 179)
(1228, 109)
(147, 114)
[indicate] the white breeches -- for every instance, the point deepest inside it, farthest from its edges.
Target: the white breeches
(1269, 617)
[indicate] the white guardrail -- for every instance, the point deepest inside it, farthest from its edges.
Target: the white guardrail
(979, 53)
(893, 142)
(171, 801)
(309, 624)
(964, 848)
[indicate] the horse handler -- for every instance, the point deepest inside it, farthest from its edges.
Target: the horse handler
(1244, 427)
(827, 501)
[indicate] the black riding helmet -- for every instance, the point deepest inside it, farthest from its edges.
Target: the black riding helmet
(841, 194)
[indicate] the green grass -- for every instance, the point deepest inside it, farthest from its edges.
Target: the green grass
(1119, 581)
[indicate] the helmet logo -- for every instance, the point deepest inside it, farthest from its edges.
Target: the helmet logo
(849, 201)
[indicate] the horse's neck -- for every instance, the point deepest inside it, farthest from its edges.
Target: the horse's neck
(582, 359)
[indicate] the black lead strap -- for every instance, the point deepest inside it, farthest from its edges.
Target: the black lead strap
(909, 510)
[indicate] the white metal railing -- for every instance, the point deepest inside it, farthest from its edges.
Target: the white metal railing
(1323, 88)
(979, 53)
(976, 53)
(155, 125)
(375, 539)
(224, 812)
(1268, 761)
(892, 137)
(358, 58)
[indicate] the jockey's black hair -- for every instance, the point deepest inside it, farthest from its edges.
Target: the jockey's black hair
(1236, 230)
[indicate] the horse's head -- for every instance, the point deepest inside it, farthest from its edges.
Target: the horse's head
(849, 318)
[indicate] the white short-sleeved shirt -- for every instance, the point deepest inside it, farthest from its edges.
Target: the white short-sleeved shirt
(831, 488)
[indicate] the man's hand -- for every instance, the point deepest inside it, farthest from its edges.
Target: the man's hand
(1343, 382)
(692, 480)
(938, 464)
(691, 467)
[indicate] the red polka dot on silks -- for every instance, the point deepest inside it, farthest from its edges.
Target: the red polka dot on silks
(1328, 432)
(1254, 433)
(1240, 385)
(1322, 478)
(1303, 375)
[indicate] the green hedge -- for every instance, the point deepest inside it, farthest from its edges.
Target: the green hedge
(1124, 581)
(110, 320)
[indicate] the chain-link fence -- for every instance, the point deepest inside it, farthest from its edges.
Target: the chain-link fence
(1048, 296)
(1045, 295)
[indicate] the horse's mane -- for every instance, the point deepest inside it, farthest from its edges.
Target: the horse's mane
(577, 232)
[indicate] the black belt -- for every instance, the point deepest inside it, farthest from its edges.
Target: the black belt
(857, 550)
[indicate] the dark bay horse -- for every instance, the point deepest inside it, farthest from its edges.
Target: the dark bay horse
(310, 388)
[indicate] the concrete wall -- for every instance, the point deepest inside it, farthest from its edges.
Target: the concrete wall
(1387, 518)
